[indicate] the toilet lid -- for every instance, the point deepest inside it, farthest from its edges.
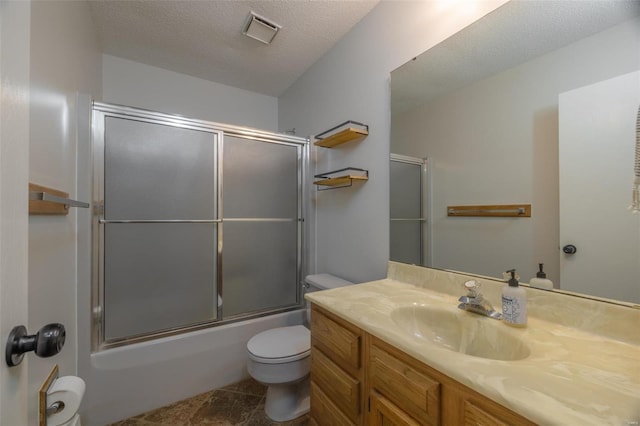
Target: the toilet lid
(278, 344)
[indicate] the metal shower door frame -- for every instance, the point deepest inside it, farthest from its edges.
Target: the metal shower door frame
(425, 215)
(99, 114)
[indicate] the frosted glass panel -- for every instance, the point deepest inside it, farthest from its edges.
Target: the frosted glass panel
(406, 203)
(260, 179)
(160, 254)
(405, 195)
(259, 266)
(158, 276)
(154, 171)
(405, 242)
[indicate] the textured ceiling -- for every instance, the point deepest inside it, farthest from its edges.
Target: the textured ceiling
(512, 34)
(204, 38)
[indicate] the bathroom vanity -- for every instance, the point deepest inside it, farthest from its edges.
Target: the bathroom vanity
(399, 352)
(357, 376)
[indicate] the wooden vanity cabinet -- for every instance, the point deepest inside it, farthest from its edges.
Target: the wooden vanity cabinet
(337, 373)
(413, 393)
(358, 379)
(403, 383)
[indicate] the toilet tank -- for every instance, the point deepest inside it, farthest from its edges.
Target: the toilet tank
(322, 282)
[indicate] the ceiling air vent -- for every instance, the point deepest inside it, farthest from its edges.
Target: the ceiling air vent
(260, 28)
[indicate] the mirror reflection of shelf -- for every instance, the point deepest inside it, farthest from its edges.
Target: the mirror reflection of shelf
(502, 210)
(341, 178)
(345, 132)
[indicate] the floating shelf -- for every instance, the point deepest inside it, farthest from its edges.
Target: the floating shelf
(340, 178)
(353, 131)
(502, 210)
(49, 201)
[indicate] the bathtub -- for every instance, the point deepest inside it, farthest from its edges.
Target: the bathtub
(129, 380)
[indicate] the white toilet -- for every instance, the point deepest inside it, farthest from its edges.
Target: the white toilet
(281, 359)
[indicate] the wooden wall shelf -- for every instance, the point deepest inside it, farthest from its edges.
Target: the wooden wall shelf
(340, 178)
(499, 210)
(353, 131)
(49, 201)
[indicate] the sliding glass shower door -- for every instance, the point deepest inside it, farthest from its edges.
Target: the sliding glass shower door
(195, 224)
(159, 227)
(261, 211)
(407, 209)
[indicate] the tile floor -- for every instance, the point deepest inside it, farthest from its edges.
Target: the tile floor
(239, 404)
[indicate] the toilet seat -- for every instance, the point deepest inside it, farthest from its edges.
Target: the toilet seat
(280, 345)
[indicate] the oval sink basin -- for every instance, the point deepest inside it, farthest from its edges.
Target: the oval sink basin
(460, 332)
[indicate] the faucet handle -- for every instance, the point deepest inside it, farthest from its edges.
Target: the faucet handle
(473, 288)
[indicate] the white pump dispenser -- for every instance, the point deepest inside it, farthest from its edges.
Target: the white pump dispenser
(514, 303)
(541, 280)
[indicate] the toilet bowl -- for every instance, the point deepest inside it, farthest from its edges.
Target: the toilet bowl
(280, 358)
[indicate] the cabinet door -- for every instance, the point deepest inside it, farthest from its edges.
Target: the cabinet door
(385, 413)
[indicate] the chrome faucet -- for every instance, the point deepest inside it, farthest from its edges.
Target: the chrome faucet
(475, 302)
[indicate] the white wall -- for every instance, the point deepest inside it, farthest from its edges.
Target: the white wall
(351, 81)
(64, 59)
(496, 142)
(138, 85)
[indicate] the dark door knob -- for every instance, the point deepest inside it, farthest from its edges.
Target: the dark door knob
(47, 342)
(569, 249)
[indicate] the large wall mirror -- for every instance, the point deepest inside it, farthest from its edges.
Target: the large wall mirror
(536, 103)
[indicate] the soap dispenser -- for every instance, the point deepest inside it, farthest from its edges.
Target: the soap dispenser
(541, 280)
(514, 302)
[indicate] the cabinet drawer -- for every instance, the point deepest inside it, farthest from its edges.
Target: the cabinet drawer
(323, 411)
(339, 386)
(340, 343)
(464, 406)
(405, 385)
(474, 415)
(386, 413)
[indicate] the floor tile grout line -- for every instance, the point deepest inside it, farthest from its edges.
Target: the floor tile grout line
(242, 393)
(257, 412)
(199, 406)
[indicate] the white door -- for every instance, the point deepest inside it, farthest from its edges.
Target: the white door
(597, 143)
(14, 170)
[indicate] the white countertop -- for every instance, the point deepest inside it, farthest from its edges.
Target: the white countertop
(571, 377)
